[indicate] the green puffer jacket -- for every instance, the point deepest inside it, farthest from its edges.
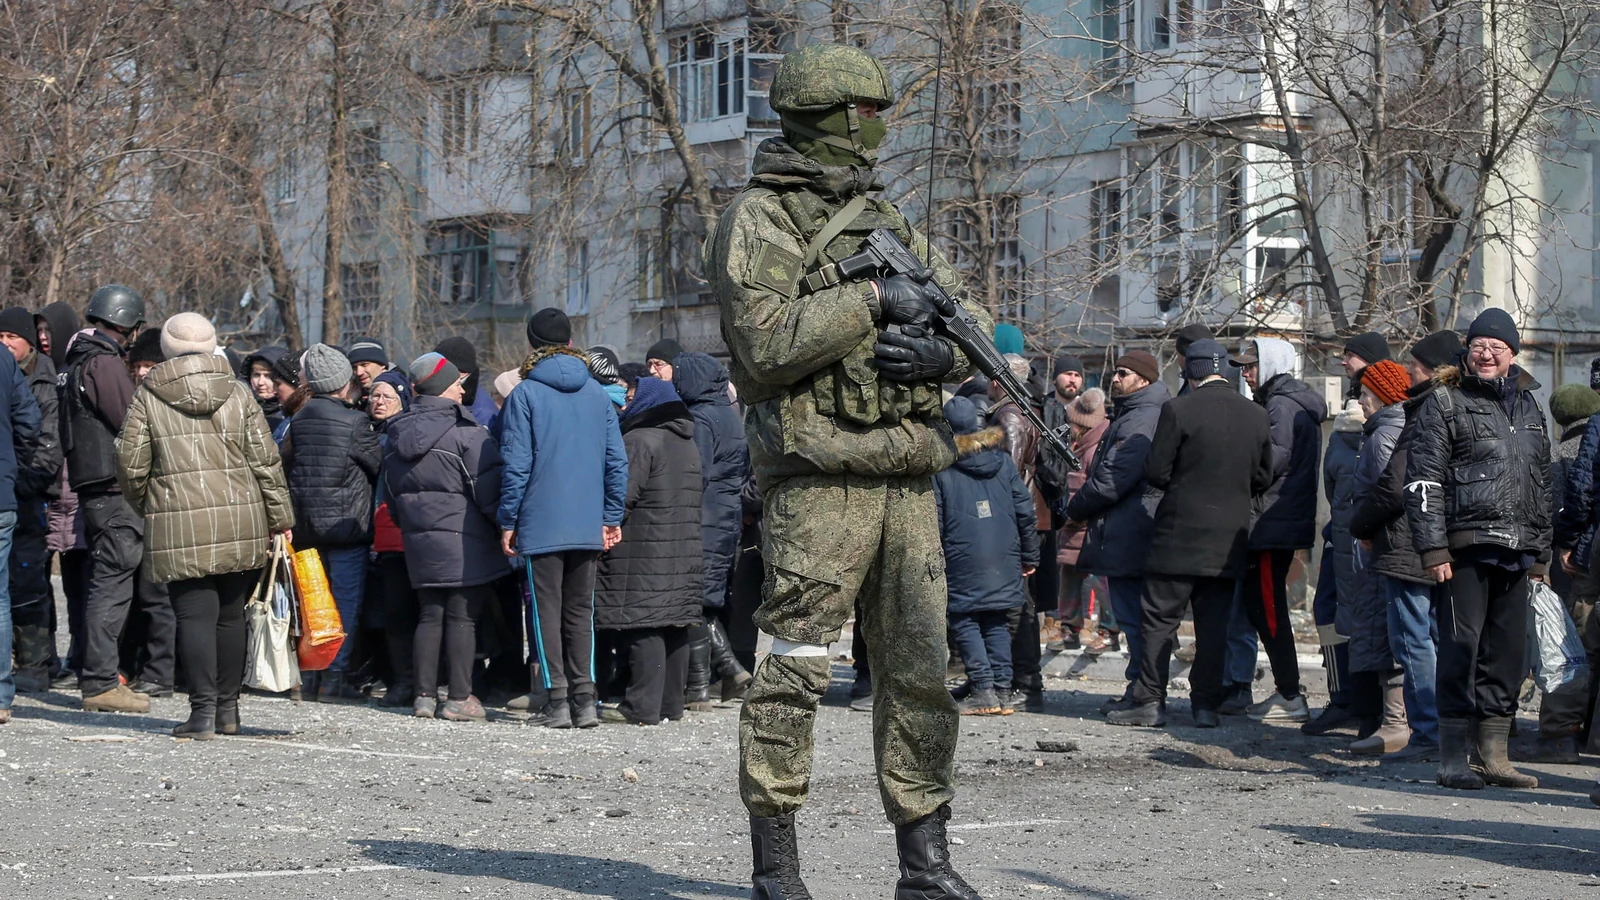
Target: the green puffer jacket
(196, 459)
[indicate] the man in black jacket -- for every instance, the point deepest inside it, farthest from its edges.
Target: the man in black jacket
(1478, 500)
(32, 601)
(1379, 519)
(1116, 502)
(1212, 452)
(1286, 516)
(94, 400)
(331, 458)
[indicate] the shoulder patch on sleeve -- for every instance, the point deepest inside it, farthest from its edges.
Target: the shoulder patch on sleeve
(775, 269)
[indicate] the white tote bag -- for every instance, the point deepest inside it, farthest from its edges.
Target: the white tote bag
(270, 663)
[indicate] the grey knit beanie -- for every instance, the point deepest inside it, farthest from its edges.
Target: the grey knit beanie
(325, 370)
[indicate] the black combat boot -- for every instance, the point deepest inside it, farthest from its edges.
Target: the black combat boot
(776, 871)
(697, 690)
(925, 872)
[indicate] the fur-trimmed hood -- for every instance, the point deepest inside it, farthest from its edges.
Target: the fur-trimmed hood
(1456, 376)
(563, 368)
(981, 453)
(540, 354)
(979, 441)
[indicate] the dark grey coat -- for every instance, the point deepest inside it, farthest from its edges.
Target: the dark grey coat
(653, 578)
(702, 382)
(441, 475)
(1339, 482)
(1365, 619)
(1286, 517)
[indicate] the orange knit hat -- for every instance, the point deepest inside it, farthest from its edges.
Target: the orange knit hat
(1387, 379)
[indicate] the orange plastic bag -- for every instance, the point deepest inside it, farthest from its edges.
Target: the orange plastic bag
(321, 632)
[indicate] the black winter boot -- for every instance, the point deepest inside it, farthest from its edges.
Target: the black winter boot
(775, 874)
(1454, 772)
(724, 663)
(202, 725)
(33, 646)
(925, 872)
(228, 716)
(697, 691)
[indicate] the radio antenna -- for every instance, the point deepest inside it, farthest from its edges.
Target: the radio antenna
(933, 148)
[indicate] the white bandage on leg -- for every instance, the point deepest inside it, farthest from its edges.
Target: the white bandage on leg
(781, 647)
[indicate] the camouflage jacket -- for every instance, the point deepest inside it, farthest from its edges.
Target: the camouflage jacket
(803, 360)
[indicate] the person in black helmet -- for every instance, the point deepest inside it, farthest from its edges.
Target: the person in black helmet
(95, 396)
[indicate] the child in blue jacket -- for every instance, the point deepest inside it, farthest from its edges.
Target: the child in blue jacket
(986, 521)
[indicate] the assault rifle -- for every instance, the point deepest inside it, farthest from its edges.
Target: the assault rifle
(885, 254)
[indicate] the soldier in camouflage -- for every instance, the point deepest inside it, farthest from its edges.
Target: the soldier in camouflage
(843, 380)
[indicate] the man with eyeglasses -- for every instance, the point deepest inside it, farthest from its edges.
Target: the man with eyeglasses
(1477, 497)
(1117, 504)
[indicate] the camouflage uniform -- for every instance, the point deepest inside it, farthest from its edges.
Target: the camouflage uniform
(844, 459)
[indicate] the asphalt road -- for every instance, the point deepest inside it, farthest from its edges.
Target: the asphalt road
(350, 801)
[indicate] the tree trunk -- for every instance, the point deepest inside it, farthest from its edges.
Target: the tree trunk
(338, 180)
(283, 286)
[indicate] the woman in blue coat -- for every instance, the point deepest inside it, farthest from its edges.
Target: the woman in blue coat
(991, 543)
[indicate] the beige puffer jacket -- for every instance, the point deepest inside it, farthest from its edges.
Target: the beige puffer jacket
(196, 459)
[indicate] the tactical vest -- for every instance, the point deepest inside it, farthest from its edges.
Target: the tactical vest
(851, 389)
(87, 440)
(843, 418)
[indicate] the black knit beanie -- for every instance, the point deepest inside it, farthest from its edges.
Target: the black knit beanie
(1370, 346)
(549, 327)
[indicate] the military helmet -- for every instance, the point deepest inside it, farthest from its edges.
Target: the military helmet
(116, 305)
(821, 76)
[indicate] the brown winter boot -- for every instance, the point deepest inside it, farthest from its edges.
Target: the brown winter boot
(1493, 736)
(1394, 733)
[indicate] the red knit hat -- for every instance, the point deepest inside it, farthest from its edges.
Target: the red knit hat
(1387, 380)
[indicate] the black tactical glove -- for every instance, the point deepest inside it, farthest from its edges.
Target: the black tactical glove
(906, 301)
(913, 356)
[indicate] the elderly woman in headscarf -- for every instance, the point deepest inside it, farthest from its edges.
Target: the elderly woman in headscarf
(389, 396)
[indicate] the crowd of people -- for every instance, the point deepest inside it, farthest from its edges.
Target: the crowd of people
(580, 538)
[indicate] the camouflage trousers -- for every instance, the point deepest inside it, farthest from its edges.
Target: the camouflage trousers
(827, 539)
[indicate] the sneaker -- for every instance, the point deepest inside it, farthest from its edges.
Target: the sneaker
(468, 710)
(585, 711)
(1008, 702)
(1102, 642)
(1414, 752)
(861, 704)
(1147, 715)
(558, 714)
(118, 699)
(151, 689)
(424, 707)
(980, 702)
(1032, 700)
(1237, 703)
(1185, 654)
(1332, 717)
(1113, 704)
(1277, 709)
